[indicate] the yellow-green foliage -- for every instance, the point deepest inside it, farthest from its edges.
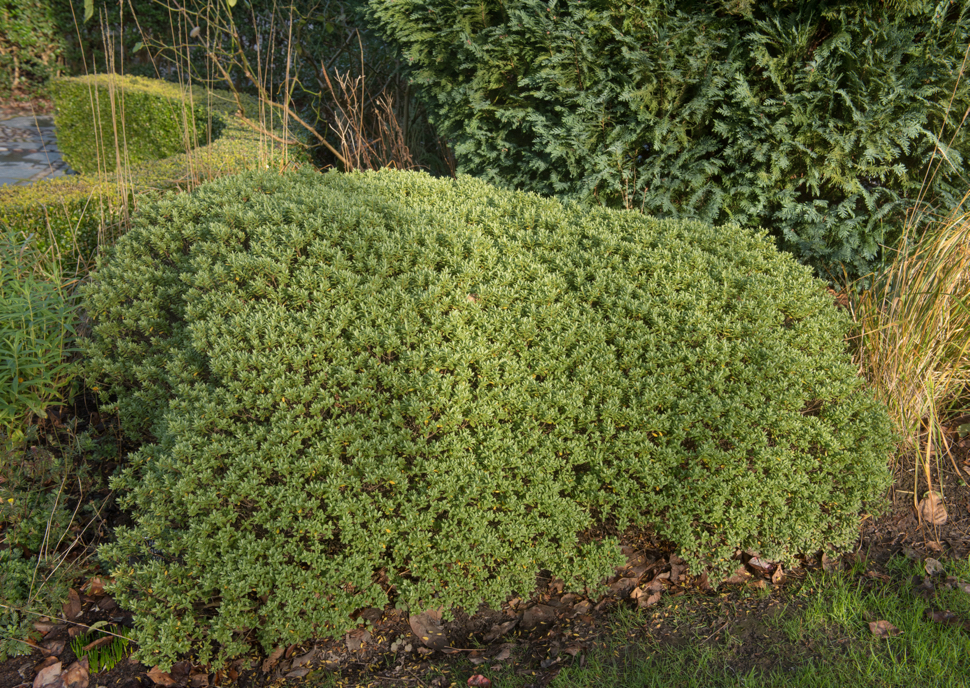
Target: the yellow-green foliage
(363, 389)
(71, 211)
(68, 212)
(105, 121)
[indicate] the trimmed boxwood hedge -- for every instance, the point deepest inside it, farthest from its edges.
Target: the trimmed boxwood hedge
(72, 211)
(356, 389)
(106, 119)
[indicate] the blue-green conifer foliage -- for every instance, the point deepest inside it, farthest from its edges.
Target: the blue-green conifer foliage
(371, 388)
(815, 120)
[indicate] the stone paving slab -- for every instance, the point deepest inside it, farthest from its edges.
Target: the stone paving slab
(28, 149)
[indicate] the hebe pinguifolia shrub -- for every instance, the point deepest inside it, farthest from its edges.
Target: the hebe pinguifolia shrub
(815, 120)
(373, 387)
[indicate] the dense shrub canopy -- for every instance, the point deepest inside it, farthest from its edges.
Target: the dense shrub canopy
(35, 37)
(373, 387)
(107, 121)
(814, 120)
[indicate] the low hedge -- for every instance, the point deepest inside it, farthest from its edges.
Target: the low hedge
(155, 120)
(72, 211)
(372, 388)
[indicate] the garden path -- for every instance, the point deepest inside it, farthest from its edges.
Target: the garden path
(28, 148)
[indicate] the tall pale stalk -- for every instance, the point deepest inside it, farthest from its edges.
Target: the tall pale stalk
(913, 334)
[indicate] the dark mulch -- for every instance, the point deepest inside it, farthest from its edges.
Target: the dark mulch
(534, 637)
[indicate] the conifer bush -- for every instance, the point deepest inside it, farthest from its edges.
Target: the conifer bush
(382, 387)
(816, 121)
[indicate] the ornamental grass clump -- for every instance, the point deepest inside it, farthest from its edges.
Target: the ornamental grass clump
(912, 338)
(372, 388)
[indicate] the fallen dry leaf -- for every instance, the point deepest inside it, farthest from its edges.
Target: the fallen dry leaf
(932, 566)
(650, 600)
(883, 629)
(676, 571)
(160, 678)
(305, 659)
(741, 575)
(180, 671)
(944, 617)
(932, 509)
(43, 627)
(95, 588)
(503, 654)
(72, 608)
(273, 658)
(479, 681)
(372, 614)
(76, 675)
(760, 564)
(539, 614)
(953, 582)
(880, 576)
(427, 627)
(357, 638)
(778, 577)
(623, 586)
(198, 679)
(657, 584)
(926, 589)
(46, 662)
(47, 675)
(53, 647)
(498, 630)
(573, 650)
(829, 564)
(299, 673)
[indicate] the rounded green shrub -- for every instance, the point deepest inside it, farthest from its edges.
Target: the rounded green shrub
(358, 389)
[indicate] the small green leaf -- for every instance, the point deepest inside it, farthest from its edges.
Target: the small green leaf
(88, 10)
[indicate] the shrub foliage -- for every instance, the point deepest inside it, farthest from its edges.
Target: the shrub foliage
(107, 122)
(34, 38)
(356, 389)
(814, 120)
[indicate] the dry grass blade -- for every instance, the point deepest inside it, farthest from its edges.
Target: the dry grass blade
(368, 140)
(913, 332)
